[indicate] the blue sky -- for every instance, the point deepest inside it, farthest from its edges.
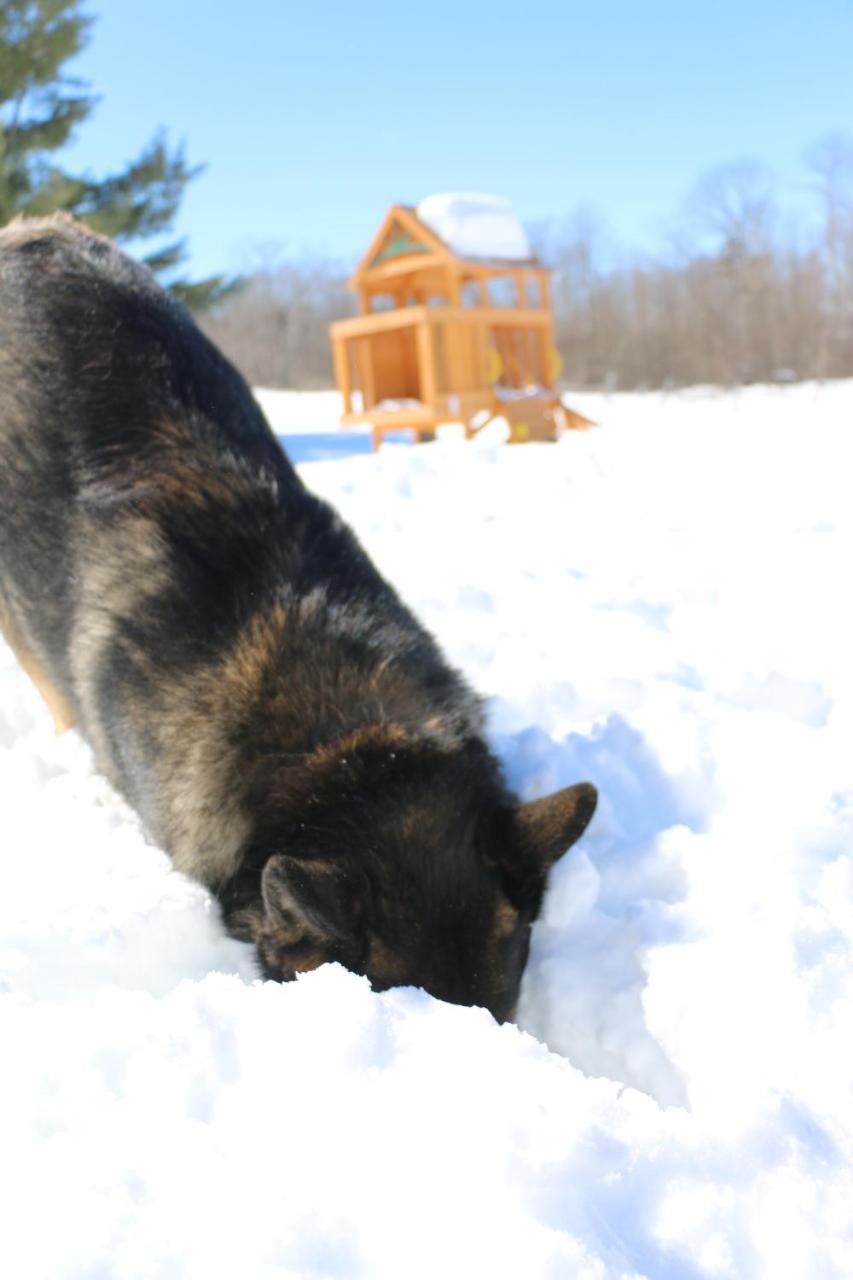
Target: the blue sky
(313, 118)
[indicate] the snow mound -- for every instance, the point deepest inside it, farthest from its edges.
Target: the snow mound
(476, 226)
(659, 606)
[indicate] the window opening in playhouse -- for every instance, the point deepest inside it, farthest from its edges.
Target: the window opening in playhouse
(502, 291)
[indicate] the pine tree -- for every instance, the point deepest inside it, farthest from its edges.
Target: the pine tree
(40, 108)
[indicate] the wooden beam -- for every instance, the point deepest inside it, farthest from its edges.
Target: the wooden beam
(505, 317)
(377, 321)
(405, 265)
(477, 320)
(393, 417)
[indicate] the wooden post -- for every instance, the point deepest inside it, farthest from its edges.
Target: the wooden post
(426, 363)
(508, 347)
(454, 351)
(529, 373)
(521, 352)
(364, 356)
(480, 336)
(340, 354)
(546, 333)
(545, 344)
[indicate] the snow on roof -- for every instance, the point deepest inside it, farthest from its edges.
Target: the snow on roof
(476, 226)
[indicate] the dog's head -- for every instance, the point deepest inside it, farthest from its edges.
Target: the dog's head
(411, 864)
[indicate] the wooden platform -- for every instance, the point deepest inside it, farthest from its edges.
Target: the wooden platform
(531, 419)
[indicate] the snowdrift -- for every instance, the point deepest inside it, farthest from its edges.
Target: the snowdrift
(659, 606)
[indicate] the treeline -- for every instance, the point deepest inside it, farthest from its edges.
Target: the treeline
(753, 287)
(276, 327)
(755, 284)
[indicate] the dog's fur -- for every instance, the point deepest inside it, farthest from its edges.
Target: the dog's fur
(284, 727)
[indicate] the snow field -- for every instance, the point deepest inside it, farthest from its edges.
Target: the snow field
(658, 606)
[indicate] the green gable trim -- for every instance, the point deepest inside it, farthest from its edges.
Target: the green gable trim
(399, 244)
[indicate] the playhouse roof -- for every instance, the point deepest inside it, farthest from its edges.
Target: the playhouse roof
(479, 229)
(476, 226)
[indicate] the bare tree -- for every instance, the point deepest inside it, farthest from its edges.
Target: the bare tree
(736, 205)
(830, 161)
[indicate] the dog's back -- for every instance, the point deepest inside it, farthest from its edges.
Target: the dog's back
(97, 366)
(285, 728)
(152, 522)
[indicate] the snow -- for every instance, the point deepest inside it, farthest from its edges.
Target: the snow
(659, 606)
(476, 226)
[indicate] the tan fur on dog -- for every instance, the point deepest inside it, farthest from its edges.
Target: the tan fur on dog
(61, 711)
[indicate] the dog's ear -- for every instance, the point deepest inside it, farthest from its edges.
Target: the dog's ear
(550, 826)
(318, 899)
(530, 839)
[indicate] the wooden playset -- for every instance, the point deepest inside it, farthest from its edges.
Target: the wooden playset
(446, 336)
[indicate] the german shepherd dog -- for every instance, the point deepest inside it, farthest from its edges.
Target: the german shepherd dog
(284, 727)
